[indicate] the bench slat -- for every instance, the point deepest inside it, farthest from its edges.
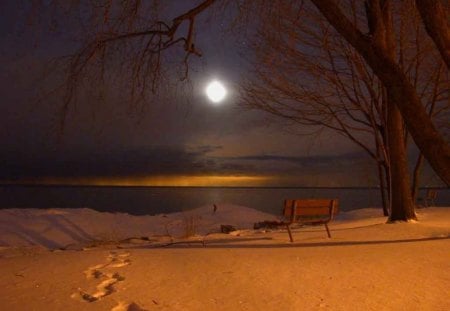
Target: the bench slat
(310, 207)
(308, 211)
(309, 202)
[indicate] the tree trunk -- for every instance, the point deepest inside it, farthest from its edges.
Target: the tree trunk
(435, 18)
(430, 142)
(402, 208)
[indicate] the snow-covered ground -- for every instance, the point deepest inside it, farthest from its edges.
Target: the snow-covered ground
(62, 228)
(81, 259)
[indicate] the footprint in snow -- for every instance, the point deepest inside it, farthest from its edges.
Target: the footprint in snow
(100, 271)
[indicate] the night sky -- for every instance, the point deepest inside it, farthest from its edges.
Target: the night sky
(182, 139)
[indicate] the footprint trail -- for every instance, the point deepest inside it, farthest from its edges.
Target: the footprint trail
(102, 272)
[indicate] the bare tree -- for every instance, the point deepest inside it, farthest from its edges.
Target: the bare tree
(304, 72)
(375, 51)
(402, 207)
(132, 40)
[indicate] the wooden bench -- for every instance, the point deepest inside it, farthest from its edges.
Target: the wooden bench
(309, 212)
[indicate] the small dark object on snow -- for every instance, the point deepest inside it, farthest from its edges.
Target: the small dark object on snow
(227, 228)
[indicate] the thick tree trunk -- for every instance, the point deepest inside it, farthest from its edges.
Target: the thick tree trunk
(435, 18)
(427, 138)
(419, 161)
(402, 207)
(430, 142)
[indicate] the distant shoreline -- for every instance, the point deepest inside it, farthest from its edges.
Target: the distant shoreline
(196, 187)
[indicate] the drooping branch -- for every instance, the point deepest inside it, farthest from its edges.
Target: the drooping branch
(140, 50)
(435, 17)
(169, 31)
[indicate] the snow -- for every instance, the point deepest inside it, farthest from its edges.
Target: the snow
(59, 228)
(81, 259)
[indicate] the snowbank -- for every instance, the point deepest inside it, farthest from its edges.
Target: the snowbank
(58, 228)
(62, 228)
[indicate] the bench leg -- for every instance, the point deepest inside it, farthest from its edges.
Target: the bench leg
(290, 233)
(328, 230)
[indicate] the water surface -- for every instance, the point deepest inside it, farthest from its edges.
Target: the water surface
(156, 200)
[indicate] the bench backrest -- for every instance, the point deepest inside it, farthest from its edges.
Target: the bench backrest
(310, 208)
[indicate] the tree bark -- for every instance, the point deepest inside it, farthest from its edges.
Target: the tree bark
(402, 208)
(435, 18)
(430, 142)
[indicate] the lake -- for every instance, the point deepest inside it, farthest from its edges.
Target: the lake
(157, 200)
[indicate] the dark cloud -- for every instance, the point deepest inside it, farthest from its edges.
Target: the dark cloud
(160, 160)
(156, 160)
(351, 164)
(307, 160)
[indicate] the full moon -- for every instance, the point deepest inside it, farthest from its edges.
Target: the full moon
(215, 91)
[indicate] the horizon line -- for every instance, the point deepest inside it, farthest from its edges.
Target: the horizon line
(199, 186)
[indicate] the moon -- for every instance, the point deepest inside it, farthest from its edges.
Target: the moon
(216, 92)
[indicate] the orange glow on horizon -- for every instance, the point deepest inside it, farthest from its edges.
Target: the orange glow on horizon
(155, 181)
